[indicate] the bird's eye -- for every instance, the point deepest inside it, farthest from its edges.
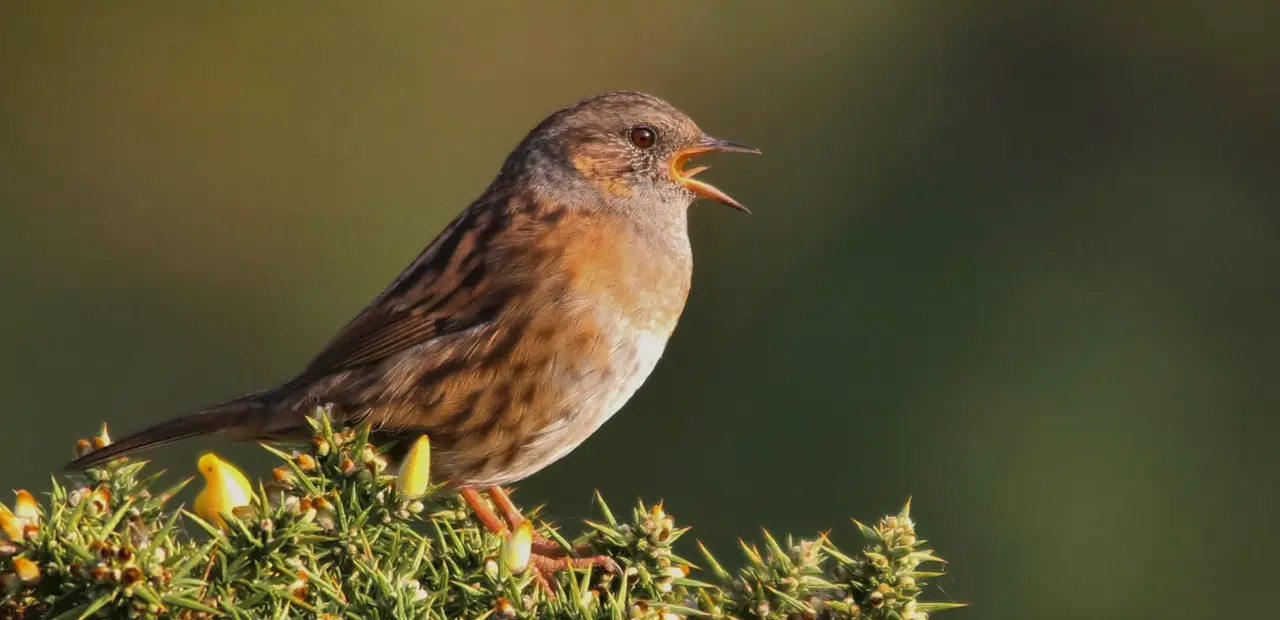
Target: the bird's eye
(643, 137)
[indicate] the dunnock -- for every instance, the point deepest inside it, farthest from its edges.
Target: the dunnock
(529, 321)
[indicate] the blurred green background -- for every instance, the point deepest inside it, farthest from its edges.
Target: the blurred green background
(1017, 260)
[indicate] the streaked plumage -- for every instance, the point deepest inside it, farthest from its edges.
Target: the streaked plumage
(528, 322)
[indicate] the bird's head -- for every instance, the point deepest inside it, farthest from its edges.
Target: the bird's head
(632, 149)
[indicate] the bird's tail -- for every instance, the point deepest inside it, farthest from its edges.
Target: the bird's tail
(236, 415)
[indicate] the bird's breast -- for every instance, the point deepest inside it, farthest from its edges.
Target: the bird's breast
(639, 271)
(585, 385)
(604, 306)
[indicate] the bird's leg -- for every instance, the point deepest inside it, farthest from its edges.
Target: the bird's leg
(547, 557)
(508, 507)
(541, 544)
(483, 512)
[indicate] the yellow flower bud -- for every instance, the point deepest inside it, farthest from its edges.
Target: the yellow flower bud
(518, 548)
(103, 439)
(27, 570)
(24, 507)
(299, 588)
(10, 524)
(504, 608)
(225, 490)
(416, 469)
(83, 447)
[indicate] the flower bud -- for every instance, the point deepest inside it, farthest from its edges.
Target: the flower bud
(225, 490)
(83, 447)
(504, 608)
(10, 524)
(416, 469)
(306, 462)
(518, 548)
(100, 499)
(283, 476)
(25, 508)
(299, 588)
(103, 439)
(28, 571)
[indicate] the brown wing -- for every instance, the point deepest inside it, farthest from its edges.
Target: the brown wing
(442, 292)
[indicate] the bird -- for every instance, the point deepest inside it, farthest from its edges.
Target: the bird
(528, 322)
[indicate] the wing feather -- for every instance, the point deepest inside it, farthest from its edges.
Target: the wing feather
(442, 292)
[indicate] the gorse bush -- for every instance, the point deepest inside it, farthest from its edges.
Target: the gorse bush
(332, 535)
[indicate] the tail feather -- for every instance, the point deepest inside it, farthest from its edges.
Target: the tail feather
(233, 415)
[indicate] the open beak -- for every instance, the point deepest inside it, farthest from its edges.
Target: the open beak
(706, 190)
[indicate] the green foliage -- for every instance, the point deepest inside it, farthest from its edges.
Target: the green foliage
(331, 536)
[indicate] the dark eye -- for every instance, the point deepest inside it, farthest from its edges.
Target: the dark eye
(643, 137)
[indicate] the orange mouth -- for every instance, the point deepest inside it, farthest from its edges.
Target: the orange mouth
(706, 190)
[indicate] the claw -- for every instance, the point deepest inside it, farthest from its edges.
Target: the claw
(546, 557)
(545, 567)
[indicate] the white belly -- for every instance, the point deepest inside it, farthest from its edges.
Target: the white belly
(634, 358)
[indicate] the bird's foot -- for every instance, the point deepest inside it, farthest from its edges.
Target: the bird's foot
(546, 557)
(551, 548)
(549, 557)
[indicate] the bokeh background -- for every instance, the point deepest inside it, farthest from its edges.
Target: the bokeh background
(1017, 260)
